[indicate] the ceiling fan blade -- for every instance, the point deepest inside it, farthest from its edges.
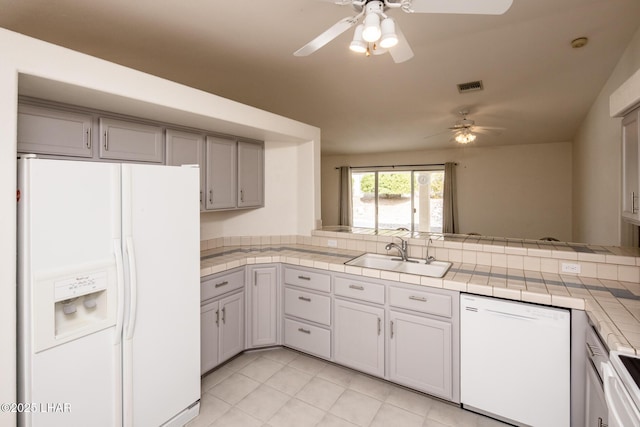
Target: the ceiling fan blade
(338, 2)
(436, 134)
(488, 131)
(402, 51)
(485, 7)
(338, 28)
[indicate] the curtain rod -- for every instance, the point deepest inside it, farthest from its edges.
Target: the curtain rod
(395, 166)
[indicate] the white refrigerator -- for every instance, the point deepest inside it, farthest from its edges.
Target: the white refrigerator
(108, 294)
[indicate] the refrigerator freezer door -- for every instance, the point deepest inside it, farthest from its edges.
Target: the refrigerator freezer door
(68, 352)
(161, 234)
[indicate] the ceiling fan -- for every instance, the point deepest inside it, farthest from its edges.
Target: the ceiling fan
(379, 33)
(465, 130)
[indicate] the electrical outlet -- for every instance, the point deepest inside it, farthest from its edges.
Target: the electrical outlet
(568, 267)
(332, 243)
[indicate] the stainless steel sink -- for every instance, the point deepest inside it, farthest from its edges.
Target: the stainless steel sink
(390, 263)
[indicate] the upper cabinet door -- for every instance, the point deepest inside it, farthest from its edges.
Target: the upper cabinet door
(630, 167)
(221, 173)
(250, 174)
(122, 140)
(185, 148)
(57, 132)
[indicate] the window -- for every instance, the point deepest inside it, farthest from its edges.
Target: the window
(391, 199)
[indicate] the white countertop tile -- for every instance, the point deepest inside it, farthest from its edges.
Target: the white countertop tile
(613, 306)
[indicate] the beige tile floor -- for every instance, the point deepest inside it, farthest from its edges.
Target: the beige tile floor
(284, 388)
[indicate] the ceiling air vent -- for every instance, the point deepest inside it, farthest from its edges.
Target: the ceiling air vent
(470, 86)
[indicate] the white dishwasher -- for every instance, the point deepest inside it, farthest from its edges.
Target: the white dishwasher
(515, 361)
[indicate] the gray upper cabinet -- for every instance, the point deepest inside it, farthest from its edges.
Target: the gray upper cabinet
(221, 173)
(250, 174)
(185, 148)
(234, 174)
(231, 170)
(124, 140)
(56, 132)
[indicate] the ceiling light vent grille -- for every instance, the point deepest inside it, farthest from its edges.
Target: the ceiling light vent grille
(470, 86)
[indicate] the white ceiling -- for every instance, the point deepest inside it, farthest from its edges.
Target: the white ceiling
(536, 86)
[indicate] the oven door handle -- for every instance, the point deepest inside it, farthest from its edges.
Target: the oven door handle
(619, 403)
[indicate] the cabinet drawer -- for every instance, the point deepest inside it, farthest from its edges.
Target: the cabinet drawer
(307, 338)
(308, 306)
(360, 290)
(426, 302)
(219, 285)
(306, 279)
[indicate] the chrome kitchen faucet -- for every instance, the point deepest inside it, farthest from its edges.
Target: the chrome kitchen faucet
(402, 248)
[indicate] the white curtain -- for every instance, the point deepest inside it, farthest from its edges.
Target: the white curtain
(345, 196)
(450, 208)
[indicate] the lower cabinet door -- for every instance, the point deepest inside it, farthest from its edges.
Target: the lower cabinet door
(209, 320)
(420, 353)
(359, 337)
(264, 306)
(596, 412)
(231, 326)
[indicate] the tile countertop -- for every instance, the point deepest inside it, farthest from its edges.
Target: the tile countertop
(612, 306)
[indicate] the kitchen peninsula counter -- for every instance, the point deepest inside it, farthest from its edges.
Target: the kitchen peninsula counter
(613, 307)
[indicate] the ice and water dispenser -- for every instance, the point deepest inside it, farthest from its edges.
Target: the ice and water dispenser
(74, 303)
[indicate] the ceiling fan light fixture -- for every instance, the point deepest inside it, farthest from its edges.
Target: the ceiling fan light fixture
(465, 137)
(389, 37)
(358, 44)
(371, 31)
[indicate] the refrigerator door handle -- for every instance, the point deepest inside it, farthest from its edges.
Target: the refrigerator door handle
(133, 288)
(117, 251)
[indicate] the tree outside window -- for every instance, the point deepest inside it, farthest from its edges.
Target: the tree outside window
(410, 199)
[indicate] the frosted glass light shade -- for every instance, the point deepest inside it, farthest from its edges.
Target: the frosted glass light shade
(371, 31)
(358, 44)
(389, 36)
(465, 137)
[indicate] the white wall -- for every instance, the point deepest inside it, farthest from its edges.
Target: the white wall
(281, 195)
(512, 191)
(52, 72)
(597, 160)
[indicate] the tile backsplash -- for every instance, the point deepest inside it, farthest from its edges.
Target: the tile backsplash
(601, 262)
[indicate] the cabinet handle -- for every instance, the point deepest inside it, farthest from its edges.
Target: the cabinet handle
(307, 299)
(391, 329)
(357, 287)
(106, 141)
(634, 209)
(304, 331)
(200, 196)
(210, 196)
(222, 284)
(379, 326)
(217, 317)
(242, 196)
(601, 424)
(415, 298)
(304, 278)
(224, 312)
(88, 138)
